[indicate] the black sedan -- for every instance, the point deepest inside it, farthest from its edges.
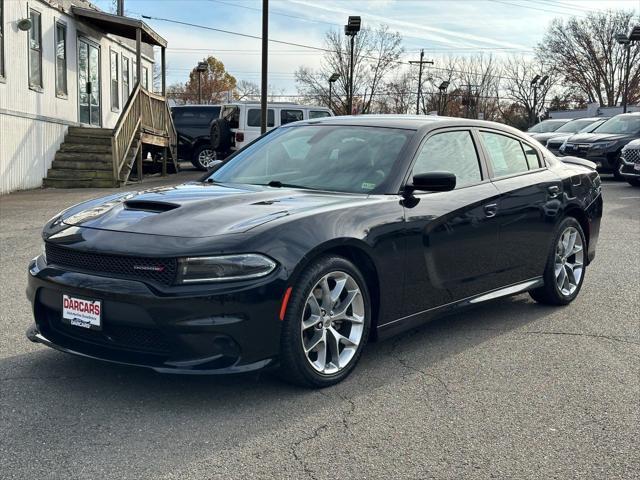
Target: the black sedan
(313, 240)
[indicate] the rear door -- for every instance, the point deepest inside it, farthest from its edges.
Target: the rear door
(528, 206)
(252, 125)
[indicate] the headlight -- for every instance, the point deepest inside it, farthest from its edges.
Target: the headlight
(224, 268)
(602, 145)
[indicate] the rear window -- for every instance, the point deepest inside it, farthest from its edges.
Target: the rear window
(289, 116)
(253, 117)
(318, 114)
(232, 115)
(196, 115)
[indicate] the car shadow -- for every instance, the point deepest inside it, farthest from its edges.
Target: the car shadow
(71, 403)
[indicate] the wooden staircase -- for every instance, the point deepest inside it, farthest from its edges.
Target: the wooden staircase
(103, 157)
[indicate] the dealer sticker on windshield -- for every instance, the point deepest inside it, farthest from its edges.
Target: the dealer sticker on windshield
(81, 312)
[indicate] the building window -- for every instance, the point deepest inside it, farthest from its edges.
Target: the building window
(115, 87)
(61, 59)
(145, 78)
(1, 38)
(35, 51)
(126, 91)
(135, 73)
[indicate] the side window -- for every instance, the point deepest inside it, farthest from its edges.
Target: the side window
(253, 117)
(61, 59)
(232, 115)
(505, 154)
(318, 114)
(115, 88)
(35, 50)
(452, 152)
(288, 116)
(125, 80)
(532, 156)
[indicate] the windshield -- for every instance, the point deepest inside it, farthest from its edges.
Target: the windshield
(320, 157)
(574, 126)
(590, 128)
(547, 126)
(620, 124)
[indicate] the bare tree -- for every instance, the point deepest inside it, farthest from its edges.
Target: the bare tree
(246, 90)
(519, 73)
(587, 54)
(376, 54)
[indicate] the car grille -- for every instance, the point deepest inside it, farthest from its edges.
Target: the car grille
(118, 336)
(158, 270)
(632, 155)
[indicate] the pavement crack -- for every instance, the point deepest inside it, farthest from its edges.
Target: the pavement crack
(300, 459)
(407, 366)
(571, 334)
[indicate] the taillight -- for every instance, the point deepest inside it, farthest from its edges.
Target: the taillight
(239, 137)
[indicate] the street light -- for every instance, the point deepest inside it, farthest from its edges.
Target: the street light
(332, 79)
(201, 68)
(536, 82)
(622, 39)
(351, 29)
(443, 92)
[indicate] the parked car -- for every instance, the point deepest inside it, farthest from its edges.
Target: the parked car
(554, 144)
(630, 163)
(568, 129)
(239, 122)
(546, 126)
(193, 125)
(604, 145)
(312, 241)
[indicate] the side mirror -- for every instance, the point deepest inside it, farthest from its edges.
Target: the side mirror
(433, 182)
(213, 166)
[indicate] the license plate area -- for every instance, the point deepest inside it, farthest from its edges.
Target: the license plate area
(82, 312)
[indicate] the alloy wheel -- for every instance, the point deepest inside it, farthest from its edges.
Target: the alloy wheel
(569, 261)
(206, 158)
(333, 322)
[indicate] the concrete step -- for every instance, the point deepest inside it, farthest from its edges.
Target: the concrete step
(66, 183)
(87, 140)
(85, 147)
(84, 156)
(77, 174)
(82, 165)
(90, 132)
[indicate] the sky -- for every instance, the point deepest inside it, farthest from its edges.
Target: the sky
(440, 27)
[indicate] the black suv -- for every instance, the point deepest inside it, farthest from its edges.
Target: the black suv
(604, 145)
(193, 124)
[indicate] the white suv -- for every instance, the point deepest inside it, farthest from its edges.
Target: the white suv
(239, 122)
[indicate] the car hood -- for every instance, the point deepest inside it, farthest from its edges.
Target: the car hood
(599, 137)
(195, 210)
(543, 137)
(633, 144)
(561, 137)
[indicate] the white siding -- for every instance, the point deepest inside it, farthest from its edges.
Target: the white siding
(28, 141)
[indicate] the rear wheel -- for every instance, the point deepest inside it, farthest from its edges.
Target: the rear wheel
(565, 269)
(203, 157)
(326, 325)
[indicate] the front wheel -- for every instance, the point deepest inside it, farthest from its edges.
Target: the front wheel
(326, 325)
(565, 269)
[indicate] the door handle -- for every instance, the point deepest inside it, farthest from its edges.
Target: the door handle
(554, 191)
(491, 210)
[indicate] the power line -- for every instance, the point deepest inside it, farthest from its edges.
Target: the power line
(533, 8)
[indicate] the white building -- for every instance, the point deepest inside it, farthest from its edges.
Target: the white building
(65, 64)
(592, 110)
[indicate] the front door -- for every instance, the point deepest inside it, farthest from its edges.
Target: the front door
(452, 236)
(88, 83)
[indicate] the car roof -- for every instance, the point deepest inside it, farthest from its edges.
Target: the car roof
(196, 106)
(274, 104)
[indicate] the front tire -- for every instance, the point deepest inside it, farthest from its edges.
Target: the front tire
(566, 265)
(326, 325)
(203, 157)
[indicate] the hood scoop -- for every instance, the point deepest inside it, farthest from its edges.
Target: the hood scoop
(149, 206)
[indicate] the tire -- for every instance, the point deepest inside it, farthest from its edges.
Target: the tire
(220, 135)
(634, 182)
(616, 169)
(567, 267)
(305, 324)
(202, 155)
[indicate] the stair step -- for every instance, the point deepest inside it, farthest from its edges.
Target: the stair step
(90, 132)
(87, 140)
(84, 156)
(82, 165)
(66, 183)
(77, 174)
(85, 147)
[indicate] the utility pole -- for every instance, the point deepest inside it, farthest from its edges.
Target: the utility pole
(420, 62)
(265, 65)
(120, 8)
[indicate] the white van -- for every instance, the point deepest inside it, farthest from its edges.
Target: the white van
(239, 122)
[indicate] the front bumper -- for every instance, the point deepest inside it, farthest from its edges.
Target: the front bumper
(630, 169)
(228, 329)
(605, 161)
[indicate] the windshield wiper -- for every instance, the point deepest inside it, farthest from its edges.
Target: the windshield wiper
(279, 184)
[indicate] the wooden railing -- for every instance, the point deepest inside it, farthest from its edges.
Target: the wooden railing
(144, 111)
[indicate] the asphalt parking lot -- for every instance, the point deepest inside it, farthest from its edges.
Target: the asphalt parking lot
(510, 390)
